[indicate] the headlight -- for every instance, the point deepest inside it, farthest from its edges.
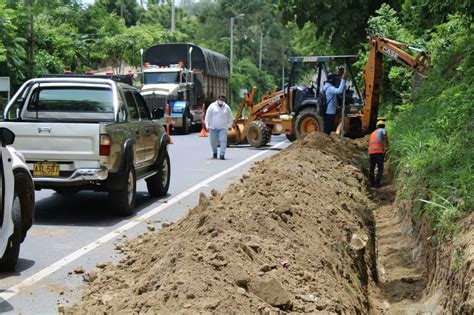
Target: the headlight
(20, 156)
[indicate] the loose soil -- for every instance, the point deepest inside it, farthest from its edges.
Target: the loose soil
(295, 234)
(417, 273)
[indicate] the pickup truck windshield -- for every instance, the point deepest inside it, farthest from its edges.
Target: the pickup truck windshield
(72, 100)
(161, 77)
(70, 103)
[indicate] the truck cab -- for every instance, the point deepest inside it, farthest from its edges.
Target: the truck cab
(171, 85)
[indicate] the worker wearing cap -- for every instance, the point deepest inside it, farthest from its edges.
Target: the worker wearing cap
(332, 87)
(218, 120)
(378, 144)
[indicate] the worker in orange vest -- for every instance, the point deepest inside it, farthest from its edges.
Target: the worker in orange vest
(378, 145)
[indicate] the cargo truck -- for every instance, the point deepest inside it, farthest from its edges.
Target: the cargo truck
(185, 76)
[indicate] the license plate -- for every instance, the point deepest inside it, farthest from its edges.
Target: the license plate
(46, 169)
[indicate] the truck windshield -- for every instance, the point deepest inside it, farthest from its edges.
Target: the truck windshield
(161, 77)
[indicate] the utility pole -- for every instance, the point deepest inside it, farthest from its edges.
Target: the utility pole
(30, 59)
(283, 71)
(121, 9)
(232, 40)
(173, 19)
(261, 49)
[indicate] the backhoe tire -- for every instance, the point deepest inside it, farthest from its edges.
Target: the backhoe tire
(10, 256)
(123, 200)
(307, 121)
(159, 183)
(258, 134)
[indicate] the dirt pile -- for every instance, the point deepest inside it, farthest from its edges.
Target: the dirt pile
(295, 234)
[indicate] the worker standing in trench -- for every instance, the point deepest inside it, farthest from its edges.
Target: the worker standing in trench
(378, 145)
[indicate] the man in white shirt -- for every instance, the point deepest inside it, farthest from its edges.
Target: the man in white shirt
(218, 120)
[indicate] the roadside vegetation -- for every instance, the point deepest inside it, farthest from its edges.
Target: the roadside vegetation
(430, 124)
(431, 119)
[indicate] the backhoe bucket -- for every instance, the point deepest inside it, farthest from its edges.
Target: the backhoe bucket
(236, 134)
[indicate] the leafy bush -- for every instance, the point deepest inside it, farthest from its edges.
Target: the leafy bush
(433, 137)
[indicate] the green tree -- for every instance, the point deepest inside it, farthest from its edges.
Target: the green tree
(12, 42)
(128, 10)
(342, 23)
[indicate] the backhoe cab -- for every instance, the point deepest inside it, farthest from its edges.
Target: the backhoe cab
(304, 100)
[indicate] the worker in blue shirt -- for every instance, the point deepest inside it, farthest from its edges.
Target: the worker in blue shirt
(332, 88)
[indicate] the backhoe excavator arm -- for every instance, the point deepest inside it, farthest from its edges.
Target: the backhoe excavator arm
(379, 47)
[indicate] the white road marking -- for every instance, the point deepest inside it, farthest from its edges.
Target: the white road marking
(14, 290)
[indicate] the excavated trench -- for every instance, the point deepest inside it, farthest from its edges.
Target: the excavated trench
(298, 233)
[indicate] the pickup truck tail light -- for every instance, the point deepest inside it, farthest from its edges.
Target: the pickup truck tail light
(105, 144)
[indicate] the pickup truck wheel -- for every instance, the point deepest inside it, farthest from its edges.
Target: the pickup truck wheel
(159, 183)
(10, 257)
(123, 200)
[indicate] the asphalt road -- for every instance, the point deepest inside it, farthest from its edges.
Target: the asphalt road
(79, 231)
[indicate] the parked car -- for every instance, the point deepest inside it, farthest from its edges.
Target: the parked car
(18, 201)
(90, 133)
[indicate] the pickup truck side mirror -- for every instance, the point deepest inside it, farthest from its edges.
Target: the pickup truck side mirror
(7, 136)
(158, 113)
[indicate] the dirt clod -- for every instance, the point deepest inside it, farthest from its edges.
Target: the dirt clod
(272, 292)
(79, 270)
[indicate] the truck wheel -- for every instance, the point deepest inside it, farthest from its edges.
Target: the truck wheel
(159, 183)
(123, 200)
(308, 121)
(258, 134)
(186, 122)
(10, 257)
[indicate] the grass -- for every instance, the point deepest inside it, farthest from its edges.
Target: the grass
(432, 141)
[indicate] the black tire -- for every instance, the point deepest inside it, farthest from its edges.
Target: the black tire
(10, 257)
(307, 121)
(25, 191)
(186, 123)
(67, 190)
(123, 200)
(291, 137)
(159, 183)
(258, 134)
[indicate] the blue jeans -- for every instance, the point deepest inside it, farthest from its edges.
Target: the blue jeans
(376, 159)
(218, 135)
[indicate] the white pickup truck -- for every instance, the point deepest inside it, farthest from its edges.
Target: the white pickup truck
(87, 133)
